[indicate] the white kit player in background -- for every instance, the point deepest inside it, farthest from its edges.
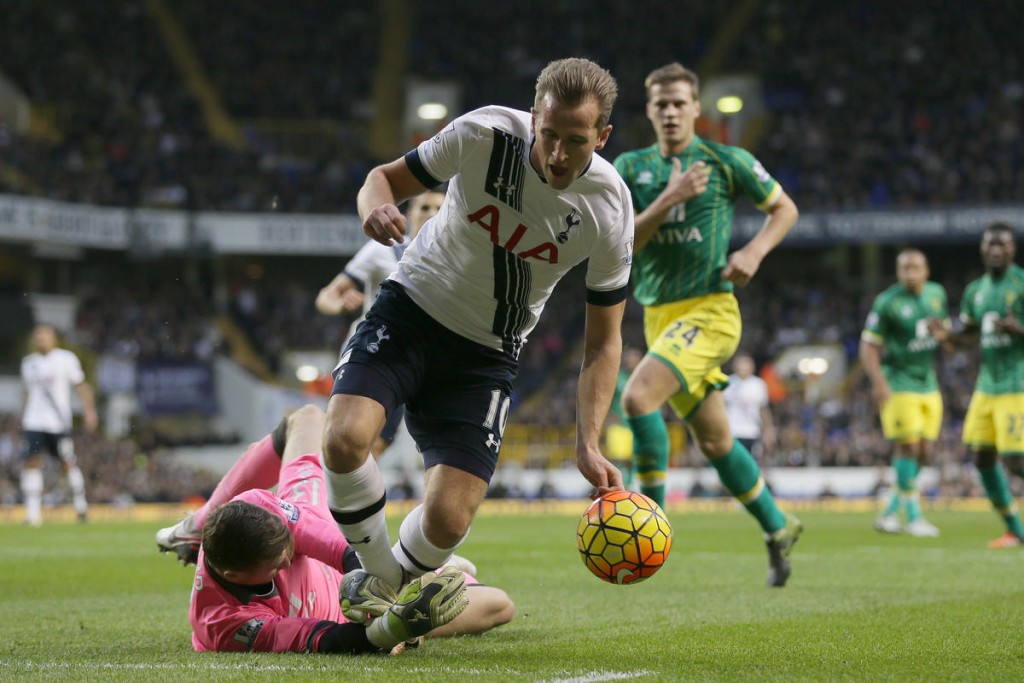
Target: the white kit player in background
(748, 408)
(528, 199)
(48, 375)
(356, 286)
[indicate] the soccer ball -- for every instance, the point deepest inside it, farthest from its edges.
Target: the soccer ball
(624, 537)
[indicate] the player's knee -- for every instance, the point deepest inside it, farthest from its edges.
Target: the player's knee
(636, 403)
(986, 458)
(308, 417)
(715, 446)
(446, 528)
(503, 609)
(344, 449)
(1015, 465)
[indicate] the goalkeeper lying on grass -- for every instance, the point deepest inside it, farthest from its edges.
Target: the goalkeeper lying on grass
(270, 575)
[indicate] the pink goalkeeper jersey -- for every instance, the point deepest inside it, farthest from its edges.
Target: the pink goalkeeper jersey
(228, 618)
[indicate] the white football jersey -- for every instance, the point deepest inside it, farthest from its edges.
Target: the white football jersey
(744, 399)
(487, 263)
(368, 268)
(48, 380)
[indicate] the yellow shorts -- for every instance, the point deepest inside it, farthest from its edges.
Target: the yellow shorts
(909, 417)
(694, 337)
(618, 442)
(995, 421)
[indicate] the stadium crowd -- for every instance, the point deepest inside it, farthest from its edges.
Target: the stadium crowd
(124, 128)
(132, 132)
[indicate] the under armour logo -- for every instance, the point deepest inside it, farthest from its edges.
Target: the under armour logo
(500, 185)
(573, 219)
(492, 443)
(418, 616)
(374, 346)
(366, 539)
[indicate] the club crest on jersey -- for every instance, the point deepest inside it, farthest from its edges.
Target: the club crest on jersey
(374, 346)
(573, 219)
(489, 218)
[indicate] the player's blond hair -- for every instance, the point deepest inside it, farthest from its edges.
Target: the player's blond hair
(670, 73)
(574, 81)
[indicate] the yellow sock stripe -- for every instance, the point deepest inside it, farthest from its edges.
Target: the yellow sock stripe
(655, 478)
(1010, 509)
(751, 495)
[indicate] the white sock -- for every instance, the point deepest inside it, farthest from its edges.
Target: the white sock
(356, 500)
(414, 552)
(32, 490)
(379, 633)
(77, 483)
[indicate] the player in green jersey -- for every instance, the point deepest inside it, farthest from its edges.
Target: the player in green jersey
(897, 351)
(992, 307)
(684, 276)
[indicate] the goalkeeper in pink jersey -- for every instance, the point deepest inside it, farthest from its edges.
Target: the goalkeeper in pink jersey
(269, 572)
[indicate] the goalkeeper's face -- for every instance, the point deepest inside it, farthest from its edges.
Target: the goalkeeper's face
(262, 572)
(672, 109)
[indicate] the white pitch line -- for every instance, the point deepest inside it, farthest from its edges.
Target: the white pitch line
(597, 676)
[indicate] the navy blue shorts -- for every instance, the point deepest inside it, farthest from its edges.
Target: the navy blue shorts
(456, 392)
(394, 421)
(58, 445)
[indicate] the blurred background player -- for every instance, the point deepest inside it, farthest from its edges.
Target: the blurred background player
(992, 307)
(47, 376)
(684, 278)
(897, 351)
(748, 408)
(357, 285)
(269, 572)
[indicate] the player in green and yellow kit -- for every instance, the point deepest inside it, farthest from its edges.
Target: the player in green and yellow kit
(683, 275)
(897, 351)
(993, 307)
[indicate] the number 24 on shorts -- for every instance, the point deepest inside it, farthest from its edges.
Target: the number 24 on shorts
(689, 333)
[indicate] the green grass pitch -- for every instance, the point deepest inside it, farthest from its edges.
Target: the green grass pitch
(96, 602)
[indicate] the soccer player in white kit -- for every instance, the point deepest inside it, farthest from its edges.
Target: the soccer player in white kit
(48, 375)
(748, 407)
(527, 200)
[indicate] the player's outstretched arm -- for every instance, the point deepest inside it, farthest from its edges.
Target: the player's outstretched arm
(601, 356)
(339, 296)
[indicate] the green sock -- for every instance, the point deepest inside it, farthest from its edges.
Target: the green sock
(893, 508)
(906, 483)
(650, 454)
(998, 490)
(741, 476)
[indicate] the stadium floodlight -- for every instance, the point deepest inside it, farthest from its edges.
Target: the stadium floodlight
(729, 104)
(432, 111)
(815, 365)
(307, 373)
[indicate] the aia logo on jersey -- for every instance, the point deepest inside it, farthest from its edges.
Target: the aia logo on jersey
(571, 221)
(489, 218)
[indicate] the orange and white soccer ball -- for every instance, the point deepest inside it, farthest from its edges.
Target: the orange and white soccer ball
(624, 537)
